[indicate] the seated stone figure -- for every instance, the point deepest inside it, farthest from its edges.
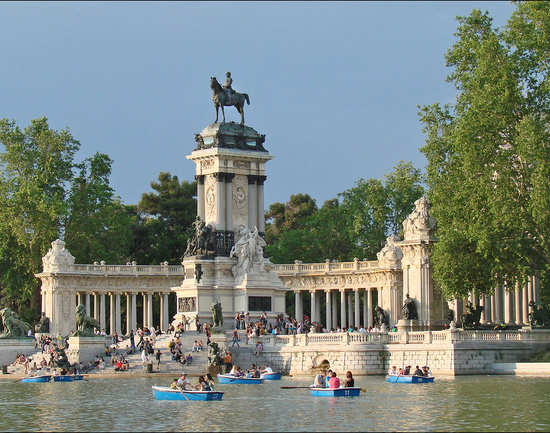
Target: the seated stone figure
(84, 324)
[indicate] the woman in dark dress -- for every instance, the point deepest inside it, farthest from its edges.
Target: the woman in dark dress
(348, 381)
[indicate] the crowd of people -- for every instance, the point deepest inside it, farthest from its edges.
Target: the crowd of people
(329, 379)
(406, 371)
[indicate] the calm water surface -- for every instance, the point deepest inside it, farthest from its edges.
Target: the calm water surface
(499, 403)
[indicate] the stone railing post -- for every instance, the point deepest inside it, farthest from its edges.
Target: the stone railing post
(327, 265)
(404, 337)
(429, 339)
(346, 339)
(305, 339)
(293, 340)
(356, 263)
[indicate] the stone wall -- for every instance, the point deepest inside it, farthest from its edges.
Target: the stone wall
(457, 354)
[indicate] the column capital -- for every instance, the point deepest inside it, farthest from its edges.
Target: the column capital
(261, 179)
(229, 177)
(200, 179)
(252, 179)
(219, 176)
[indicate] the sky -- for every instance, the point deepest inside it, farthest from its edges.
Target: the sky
(334, 85)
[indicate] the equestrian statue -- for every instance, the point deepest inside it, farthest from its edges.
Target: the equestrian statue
(225, 97)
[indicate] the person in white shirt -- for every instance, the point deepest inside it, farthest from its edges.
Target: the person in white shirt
(183, 382)
(267, 370)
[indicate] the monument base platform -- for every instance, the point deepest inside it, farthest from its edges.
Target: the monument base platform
(11, 347)
(85, 349)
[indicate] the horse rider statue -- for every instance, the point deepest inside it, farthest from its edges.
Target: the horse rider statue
(227, 86)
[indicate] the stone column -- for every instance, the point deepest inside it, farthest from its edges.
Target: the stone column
(318, 307)
(252, 201)
(118, 328)
(482, 318)
(525, 304)
(350, 309)
(365, 310)
(458, 309)
(369, 311)
(493, 309)
(328, 310)
(343, 319)
(488, 308)
(112, 314)
(200, 195)
(356, 311)
(379, 297)
(128, 313)
(87, 298)
(220, 201)
(313, 305)
(96, 306)
(133, 326)
(165, 312)
(261, 219)
(102, 311)
(507, 306)
(498, 305)
(299, 307)
(517, 304)
(229, 200)
(145, 323)
(150, 309)
(536, 288)
(334, 308)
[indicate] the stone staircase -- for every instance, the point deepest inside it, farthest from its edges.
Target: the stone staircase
(167, 365)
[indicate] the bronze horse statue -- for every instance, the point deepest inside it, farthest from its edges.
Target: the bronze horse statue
(222, 98)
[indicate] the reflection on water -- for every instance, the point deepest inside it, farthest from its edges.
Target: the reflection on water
(466, 403)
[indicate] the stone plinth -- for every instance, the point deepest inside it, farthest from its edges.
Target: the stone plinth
(409, 325)
(85, 349)
(9, 348)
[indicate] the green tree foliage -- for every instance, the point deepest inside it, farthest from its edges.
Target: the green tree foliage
(162, 220)
(489, 154)
(353, 225)
(35, 169)
(97, 226)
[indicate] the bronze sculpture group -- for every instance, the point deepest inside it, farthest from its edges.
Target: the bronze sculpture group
(226, 96)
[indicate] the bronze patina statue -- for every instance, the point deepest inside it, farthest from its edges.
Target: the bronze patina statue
(84, 324)
(409, 309)
(539, 317)
(13, 326)
(200, 241)
(380, 317)
(473, 315)
(226, 97)
(217, 316)
(43, 326)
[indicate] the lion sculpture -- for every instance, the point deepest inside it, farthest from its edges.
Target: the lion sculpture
(14, 327)
(84, 324)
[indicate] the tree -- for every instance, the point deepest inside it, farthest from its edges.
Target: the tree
(288, 216)
(98, 226)
(35, 168)
(165, 217)
(489, 154)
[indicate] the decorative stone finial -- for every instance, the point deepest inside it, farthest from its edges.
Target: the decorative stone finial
(419, 225)
(57, 258)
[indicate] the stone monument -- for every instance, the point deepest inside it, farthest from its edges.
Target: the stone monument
(13, 337)
(84, 345)
(224, 261)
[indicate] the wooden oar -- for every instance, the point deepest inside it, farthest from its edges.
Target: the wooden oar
(296, 387)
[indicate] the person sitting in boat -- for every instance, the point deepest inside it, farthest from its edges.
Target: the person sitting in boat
(183, 382)
(253, 372)
(407, 370)
(267, 370)
(348, 381)
(327, 378)
(209, 380)
(333, 382)
(319, 381)
(202, 385)
(174, 384)
(393, 371)
(418, 372)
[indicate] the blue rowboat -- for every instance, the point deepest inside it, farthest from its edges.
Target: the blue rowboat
(271, 376)
(63, 378)
(78, 377)
(165, 393)
(409, 379)
(36, 379)
(335, 392)
(229, 379)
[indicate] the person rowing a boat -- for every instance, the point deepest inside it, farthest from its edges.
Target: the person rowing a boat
(183, 382)
(393, 371)
(418, 372)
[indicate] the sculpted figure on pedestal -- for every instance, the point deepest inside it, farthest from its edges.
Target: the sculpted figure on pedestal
(227, 97)
(217, 315)
(391, 253)
(419, 222)
(43, 326)
(57, 257)
(84, 324)
(381, 319)
(409, 309)
(249, 250)
(200, 242)
(13, 326)
(472, 316)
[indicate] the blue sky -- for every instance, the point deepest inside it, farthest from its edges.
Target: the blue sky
(333, 85)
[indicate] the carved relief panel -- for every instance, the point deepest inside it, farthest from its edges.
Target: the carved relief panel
(240, 201)
(210, 199)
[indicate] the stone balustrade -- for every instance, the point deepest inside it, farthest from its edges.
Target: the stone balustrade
(328, 266)
(420, 337)
(100, 269)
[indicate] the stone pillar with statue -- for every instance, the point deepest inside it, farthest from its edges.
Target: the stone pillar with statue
(224, 260)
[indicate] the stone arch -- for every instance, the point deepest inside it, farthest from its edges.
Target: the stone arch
(321, 362)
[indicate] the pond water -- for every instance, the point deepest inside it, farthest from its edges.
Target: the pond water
(471, 403)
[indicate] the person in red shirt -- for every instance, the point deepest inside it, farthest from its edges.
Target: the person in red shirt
(334, 382)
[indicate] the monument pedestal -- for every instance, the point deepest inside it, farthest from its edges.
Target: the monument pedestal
(409, 325)
(11, 347)
(85, 349)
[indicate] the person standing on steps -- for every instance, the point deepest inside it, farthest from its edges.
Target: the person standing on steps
(157, 355)
(132, 341)
(236, 338)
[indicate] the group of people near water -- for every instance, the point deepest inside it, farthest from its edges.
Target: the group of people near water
(329, 379)
(406, 371)
(206, 383)
(252, 372)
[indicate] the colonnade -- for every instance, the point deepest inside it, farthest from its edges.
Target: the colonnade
(506, 306)
(355, 307)
(99, 310)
